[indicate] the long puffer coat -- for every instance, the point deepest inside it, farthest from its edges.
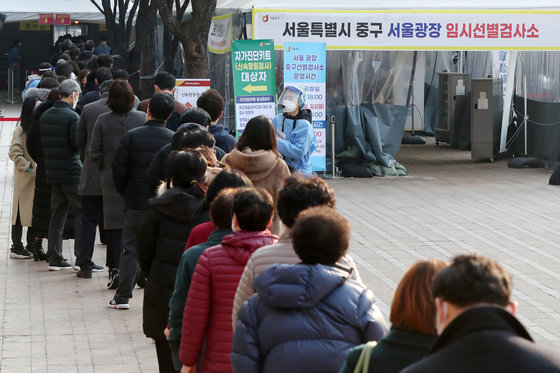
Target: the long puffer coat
(304, 318)
(210, 300)
(161, 242)
(42, 196)
(58, 129)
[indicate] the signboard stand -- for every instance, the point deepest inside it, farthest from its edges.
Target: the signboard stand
(254, 81)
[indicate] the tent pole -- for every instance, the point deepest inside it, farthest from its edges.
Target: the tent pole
(525, 115)
(333, 150)
(412, 139)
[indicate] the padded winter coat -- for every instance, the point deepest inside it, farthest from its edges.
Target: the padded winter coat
(132, 159)
(58, 130)
(161, 241)
(42, 196)
(304, 318)
(210, 300)
(281, 252)
(266, 169)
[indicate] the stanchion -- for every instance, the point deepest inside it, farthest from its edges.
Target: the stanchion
(10, 95)
(333, 151)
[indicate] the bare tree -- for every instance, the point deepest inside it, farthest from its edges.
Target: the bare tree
(191, 33)
(119, 18)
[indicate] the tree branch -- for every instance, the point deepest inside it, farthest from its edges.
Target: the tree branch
(98, 7)
(167, 17)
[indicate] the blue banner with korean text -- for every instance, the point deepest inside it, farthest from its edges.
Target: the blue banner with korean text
(305, 65)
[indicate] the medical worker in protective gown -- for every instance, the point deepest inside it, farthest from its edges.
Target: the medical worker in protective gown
(295, 136)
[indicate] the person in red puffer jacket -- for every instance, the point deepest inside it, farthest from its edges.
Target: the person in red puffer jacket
(207, 315)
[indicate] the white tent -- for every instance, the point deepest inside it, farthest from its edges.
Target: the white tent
(379, 4)
(84, 10)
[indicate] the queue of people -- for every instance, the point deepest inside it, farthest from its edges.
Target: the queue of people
(241, 251)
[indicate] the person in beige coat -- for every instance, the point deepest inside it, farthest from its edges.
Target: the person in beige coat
(24, 184)
(257, 157)
(299, 193)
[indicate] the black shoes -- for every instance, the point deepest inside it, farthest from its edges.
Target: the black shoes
(59, 265)
(19, 252)
(140, 279)
(113, 278)
(37, 250)
(118, 306)
(83, 274)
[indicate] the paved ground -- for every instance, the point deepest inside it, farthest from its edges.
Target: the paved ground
(56, 322)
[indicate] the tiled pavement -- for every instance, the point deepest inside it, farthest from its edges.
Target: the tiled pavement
(56, 322)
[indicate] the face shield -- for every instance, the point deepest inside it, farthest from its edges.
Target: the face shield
(291, 97)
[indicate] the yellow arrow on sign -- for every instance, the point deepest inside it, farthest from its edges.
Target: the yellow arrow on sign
(254, 88)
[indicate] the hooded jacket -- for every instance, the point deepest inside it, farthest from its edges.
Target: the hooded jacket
(161, 241)
(298, 142)
(486, 339)
(304, 318)
(266, 169)
(210, 300)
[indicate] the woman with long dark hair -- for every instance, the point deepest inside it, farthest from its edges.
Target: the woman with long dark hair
(256, 155)
(24, 183)
(105, 139)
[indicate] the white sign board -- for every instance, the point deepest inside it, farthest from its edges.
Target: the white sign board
(411, 30)
(187, 91)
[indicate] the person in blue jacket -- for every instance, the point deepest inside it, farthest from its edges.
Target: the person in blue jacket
(306, 317)
(295, 136)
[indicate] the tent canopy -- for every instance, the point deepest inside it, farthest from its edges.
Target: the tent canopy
(84, 10)
(382, 4)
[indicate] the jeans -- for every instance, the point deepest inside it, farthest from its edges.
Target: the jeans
(63, 197)
(92, 206)
(17, 231)
(128, 266)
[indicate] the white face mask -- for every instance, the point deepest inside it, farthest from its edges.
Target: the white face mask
(289, 106)
(74, 100)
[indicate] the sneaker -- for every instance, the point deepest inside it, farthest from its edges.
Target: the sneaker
(118, 306)
(83, 274)
(19, 252)
(113, 279)
(95, 268)
(60, 265)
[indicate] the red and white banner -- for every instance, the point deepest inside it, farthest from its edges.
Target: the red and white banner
(187, 91)
(411, 30)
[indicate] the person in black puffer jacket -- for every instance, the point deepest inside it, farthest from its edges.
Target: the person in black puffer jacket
(42, 197)
(57, 128)
(132, 159)
(162, 239)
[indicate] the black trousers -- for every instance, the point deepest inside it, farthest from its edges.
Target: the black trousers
(165, 361)
(92, 206)
(17, 231)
